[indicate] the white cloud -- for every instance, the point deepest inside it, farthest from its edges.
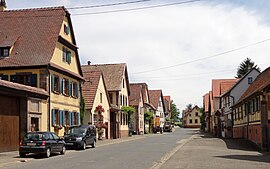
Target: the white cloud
(161, 37)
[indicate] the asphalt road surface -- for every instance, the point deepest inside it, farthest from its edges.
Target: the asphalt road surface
(148, 151)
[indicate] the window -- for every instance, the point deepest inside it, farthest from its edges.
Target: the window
(66, 29)
(66, 117)
(55, 117)
(196, 120)
(74, 89)
(95, 118)
(190, 120)
(196, 114)
(26, 78)
(65, 84)
(121, 100)
(100, 97)
(190, 115)
(66, 55)
(4, 52)
(123, 83)
(3, 77)
(250, 80)
(55, 84)
(43, 79)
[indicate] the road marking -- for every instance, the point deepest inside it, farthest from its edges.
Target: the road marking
(168, 155)
(119, 141)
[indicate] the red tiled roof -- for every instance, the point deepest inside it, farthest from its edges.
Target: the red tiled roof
(211, 100)
(113, 74)
(135, 94)
(261, 82)
(24, 88)
(220, 86)
(145, 93)
(154, 96)
(90, 87)
(206, 102)
(33, 32)
(168, 98)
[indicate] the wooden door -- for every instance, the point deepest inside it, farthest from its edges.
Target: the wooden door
(9, 123)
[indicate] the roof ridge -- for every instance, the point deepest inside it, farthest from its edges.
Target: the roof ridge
(104, 64)
(36, 9)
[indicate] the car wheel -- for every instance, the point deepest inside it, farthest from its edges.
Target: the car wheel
(94, 144)
(48, 153)
(84, 146)
(63, 150)
(22, 155)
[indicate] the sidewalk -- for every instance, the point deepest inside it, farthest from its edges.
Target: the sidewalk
(203, 151)
(13, 157)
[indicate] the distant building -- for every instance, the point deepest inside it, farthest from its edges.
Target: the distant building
(191, 117)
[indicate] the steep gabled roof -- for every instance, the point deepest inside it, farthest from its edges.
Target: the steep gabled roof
(90, 87)
(168, 106)
(33, 34)
(243, 77)
(113, 74)
(145, 93)
(155, 95)
(260, 83)
(206, 103)
(220, 86)
(135, 94)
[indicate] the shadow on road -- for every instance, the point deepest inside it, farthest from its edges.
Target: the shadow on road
(255, 158)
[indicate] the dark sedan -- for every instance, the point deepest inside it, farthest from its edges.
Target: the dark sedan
(41, 143)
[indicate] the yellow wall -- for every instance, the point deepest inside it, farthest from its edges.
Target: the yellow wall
(63, 34)
(124, 92)
(105, 104)
(44, 116)
(193, 117)
(58, 59)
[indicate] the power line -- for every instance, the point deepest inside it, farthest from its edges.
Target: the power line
(212, 56)
(107, 5)
(135, 9)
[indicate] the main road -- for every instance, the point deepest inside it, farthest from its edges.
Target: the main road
(144, 152)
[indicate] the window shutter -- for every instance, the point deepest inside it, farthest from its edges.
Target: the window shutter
(68, 89)
(53, 117)
(64, 118)
(52, 81)
(69, 57)
(77, 90)
(64, 54)
(69, 118)
(60, 117)
(60, 85)
(78, 119)
(34, 80)
(13, 78)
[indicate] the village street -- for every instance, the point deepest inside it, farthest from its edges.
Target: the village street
(140, 152)
(183, 148)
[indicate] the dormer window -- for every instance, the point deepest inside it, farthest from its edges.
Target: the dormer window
(66, 29)
(4, 52)
(66, 55)
(250, 80)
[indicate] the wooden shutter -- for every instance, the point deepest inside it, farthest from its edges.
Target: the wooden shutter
(69, 57)
(78, 119)
(52, 82)
(64, 54)
(70, 88)
(64, 118)
(53, 117)
(60, 117)
(69, 118)
(34, 80)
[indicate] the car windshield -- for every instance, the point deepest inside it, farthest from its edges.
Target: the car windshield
(34, 136)
(167, 123)
(76, 131)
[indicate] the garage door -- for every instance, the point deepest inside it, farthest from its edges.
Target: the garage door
(9, 123)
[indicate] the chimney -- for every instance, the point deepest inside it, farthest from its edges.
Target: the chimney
(3, 5)
(88, 63)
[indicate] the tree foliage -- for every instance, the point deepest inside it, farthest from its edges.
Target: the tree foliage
(82, 109)
(202, 118)
(245, 67)
(129, 110)
(189, 106)
(174, 111)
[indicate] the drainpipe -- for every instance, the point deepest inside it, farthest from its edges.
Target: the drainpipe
(49, 101)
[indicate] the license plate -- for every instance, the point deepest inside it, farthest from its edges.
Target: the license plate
(69, 143)
(31, 144)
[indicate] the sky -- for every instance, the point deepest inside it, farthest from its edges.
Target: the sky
(177, 48)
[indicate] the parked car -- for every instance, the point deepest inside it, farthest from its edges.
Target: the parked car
(41, 143)
(167, 126)
(81, 136)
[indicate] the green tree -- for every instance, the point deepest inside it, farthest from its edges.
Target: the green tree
(244, 67)
(202, 118)
(148, 119)
(174, 111)
(129, 110)
(82, 109)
